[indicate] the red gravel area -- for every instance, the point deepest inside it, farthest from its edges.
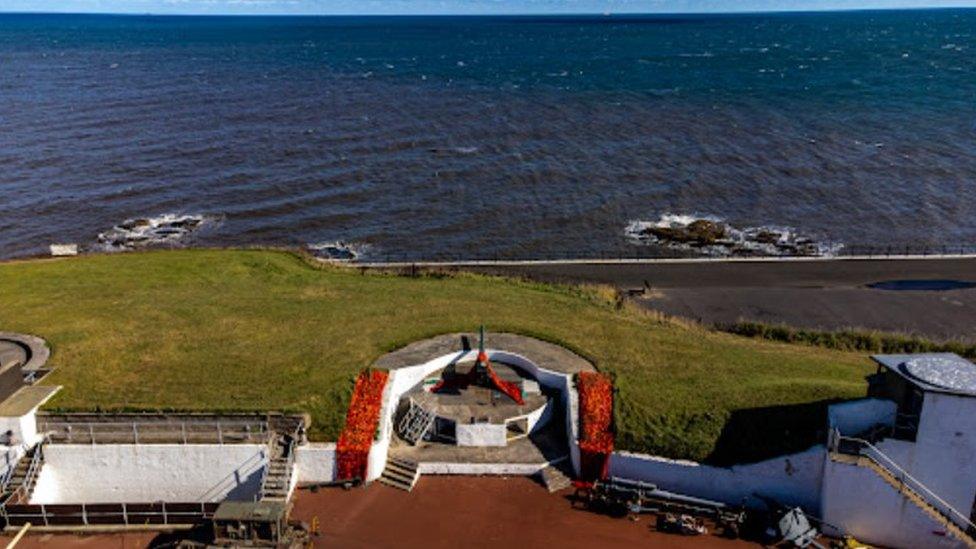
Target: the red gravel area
(466, 512)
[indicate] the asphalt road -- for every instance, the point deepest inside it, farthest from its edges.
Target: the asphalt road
(826, 295)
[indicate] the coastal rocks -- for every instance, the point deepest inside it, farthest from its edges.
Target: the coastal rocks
(147, 231)
(336, 251)
(715, 237)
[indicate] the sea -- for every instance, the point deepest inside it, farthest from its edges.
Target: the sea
(439, 138)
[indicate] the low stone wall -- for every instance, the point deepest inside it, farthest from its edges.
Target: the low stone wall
(117, 473)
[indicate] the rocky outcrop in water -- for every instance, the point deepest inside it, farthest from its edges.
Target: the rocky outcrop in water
(714, 237)
(147, 231)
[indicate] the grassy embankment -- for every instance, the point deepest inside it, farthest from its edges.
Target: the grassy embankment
(257, 330)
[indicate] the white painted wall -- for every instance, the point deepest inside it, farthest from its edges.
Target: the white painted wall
(513, 469)
(116, 473)
(315, 462)
(793, 479)
(944, 451)
(857, 416)
(862, 504)
(23, 428)
(481, 434)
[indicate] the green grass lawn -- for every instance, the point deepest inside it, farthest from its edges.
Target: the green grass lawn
(258, 330)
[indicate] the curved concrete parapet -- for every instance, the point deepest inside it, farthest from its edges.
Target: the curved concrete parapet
(545, 355)
(30, 351)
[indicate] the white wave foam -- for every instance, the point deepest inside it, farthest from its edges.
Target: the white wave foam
(765, 240)
(337, 250)
(139, 232)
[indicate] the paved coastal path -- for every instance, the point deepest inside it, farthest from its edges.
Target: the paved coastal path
(810, 293)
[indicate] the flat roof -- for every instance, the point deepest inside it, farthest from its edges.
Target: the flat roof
(936, 372)
(263, 511)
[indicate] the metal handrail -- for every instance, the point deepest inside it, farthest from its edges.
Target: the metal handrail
(30, 476)
(902, 475)
(179, 429)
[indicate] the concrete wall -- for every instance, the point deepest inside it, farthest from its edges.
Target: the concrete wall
(315, 463)
(23, 428)
(793, 479)
(481, 434)
(116, 473)
(856, 417)
(513, 469)
(862, 504)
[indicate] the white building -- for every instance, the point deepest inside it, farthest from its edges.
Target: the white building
(901, 465)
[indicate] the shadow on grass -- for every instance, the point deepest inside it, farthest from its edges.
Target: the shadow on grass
(757, 434)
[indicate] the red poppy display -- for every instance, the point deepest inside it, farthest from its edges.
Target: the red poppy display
(362, 419)
(596, 424)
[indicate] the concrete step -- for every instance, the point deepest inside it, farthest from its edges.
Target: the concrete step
(402, 462)
(398, 484)
(400, 469)
(555, 479)
(400, 475)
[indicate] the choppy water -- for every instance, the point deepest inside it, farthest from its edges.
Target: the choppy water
(476, 137)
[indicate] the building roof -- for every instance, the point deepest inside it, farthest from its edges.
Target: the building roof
(257, 511)
(26, 399)
(936, 372)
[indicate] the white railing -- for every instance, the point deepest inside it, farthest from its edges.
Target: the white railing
(870, 451)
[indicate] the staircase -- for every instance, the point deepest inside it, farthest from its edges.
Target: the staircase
(555, 479)
(276, 482)
(20, 485)
(917, 494)
(400, 473)
(415, 423)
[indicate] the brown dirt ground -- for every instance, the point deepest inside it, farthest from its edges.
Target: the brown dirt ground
(454, 512)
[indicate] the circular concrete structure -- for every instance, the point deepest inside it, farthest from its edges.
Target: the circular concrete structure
(29, 351)
(949, 372)
(448, 400)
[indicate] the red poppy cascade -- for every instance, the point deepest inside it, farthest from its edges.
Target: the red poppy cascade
(482, 374)
(596, 424)
(362, 419)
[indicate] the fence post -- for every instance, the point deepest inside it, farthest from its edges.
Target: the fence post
(135, 432)
(183, 426)
(165, 518)
(125, 514)
(84, 515)
(91, 433)
(44, 515)
(220, 433)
